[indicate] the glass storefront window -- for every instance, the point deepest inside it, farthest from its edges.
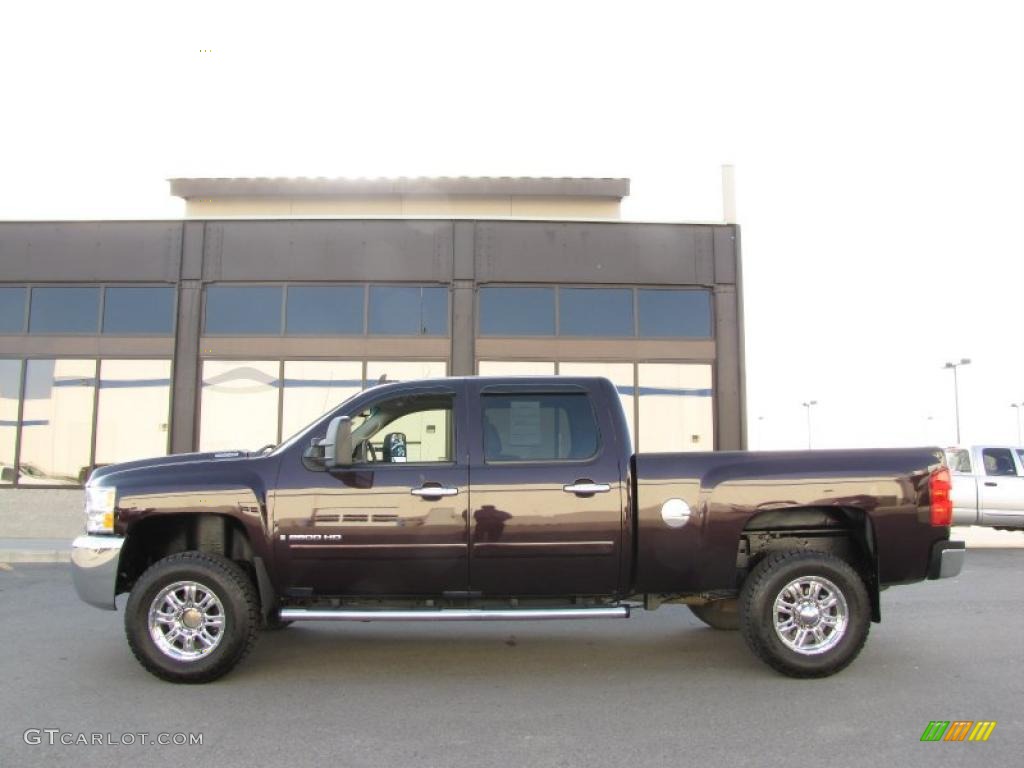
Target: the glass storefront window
(142, 310)
(133, 415)
(401, 310)
(434, 311)
(676, 407)
(238, 407)
(244, 310)
(405, 370)
(517, 311)
(323, 310)
(12, 309)
(620, 374)
(515, 368)
(64, 310)
(56, 425)
(604, 312)
(10, 383)
(314, 387)
(674, 313)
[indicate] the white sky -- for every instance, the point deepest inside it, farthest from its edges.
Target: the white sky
(879, 153)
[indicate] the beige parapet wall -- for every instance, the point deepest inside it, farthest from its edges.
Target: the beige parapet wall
(525, 207)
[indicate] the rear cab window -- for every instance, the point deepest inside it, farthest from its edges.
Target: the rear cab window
(959, 460)
(535, 427)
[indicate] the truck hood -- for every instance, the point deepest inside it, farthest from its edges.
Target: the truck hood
(166, 461)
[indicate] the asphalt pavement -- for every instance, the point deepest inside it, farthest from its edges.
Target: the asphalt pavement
(658, 689)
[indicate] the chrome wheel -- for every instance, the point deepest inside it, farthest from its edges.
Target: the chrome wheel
(186, 621)
(810, 615)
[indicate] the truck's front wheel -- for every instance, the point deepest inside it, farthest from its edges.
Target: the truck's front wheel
(806, 614)
(191, 617)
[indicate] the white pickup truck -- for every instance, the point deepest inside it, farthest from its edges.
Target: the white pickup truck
(988, 485)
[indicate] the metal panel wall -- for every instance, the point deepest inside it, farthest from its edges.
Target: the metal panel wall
(583, 252)
(355, 250)
(98, 251)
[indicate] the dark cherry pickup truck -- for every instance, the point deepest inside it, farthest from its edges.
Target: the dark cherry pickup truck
(469, 499)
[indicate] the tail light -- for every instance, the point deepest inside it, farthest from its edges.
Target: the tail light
(939, 488)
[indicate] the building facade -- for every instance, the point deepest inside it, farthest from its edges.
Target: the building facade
(120, 340)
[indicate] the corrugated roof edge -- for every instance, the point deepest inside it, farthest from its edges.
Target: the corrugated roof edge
(608, 188)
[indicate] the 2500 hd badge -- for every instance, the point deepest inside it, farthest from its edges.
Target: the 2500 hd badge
(310, 538)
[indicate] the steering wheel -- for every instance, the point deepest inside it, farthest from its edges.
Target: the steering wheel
(365, 452)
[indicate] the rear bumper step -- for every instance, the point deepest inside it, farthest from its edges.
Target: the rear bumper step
(454, 614)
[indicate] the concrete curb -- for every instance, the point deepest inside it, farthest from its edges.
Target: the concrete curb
(12, 556)
(978, 537)
(35, 551)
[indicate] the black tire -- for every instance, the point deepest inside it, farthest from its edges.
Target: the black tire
(718, 614)
(770, 580)
(238, 607)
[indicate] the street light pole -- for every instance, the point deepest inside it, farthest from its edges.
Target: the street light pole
(1018, 407)
(808, 405)
(956, 392)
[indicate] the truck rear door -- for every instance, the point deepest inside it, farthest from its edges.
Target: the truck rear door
(1001, 487)
(547, 491)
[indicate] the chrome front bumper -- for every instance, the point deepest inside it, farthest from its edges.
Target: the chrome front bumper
(94, 561)
(947, 559)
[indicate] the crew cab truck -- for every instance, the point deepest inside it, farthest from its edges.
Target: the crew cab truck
(988, 486)
(468, 499)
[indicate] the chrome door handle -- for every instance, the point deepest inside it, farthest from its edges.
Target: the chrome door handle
(587, 488)
(433, 491)
(990, 484)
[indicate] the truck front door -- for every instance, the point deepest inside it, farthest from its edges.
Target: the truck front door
(395, 521)
(547, 493)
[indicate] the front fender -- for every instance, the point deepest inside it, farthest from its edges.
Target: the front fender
(237, 490)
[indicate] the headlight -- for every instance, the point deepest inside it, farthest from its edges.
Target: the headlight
(99, 509)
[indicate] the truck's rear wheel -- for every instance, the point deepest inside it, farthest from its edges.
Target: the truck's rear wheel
(191, 617)
(718, 614)
(806, 614)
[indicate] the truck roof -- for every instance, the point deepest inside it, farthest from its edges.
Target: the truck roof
(517, 379)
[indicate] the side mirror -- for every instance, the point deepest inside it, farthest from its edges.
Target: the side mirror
(338, 443)
(395, 449)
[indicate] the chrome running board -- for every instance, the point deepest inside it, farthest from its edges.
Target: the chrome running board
(453, 614)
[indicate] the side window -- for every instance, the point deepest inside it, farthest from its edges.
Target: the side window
(414, 428)
(535, 427)
(1020, 456)
(998, 462)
